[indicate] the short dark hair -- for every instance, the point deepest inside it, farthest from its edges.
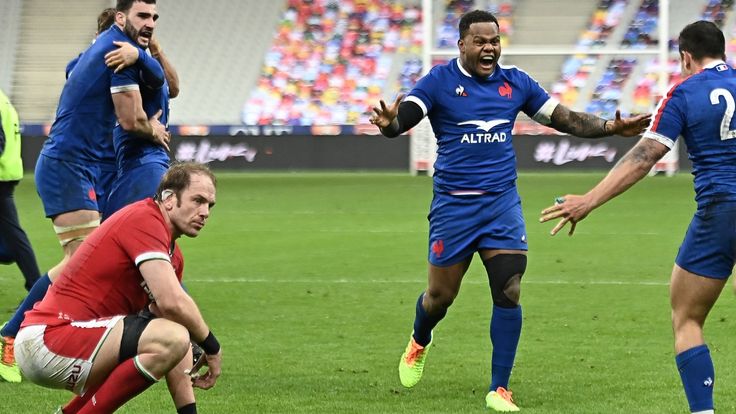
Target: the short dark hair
(475, 16)
(178, 177)
(105, 19)
(125, 5)
(702, 39)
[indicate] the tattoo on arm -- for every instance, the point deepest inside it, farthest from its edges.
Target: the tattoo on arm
(580, 124)
(645, 154)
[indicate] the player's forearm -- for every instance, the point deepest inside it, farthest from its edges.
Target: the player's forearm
(408, 117)
(139, 126)
(579, 124)
(181, 308)
(151, 70)
(172, 77)
(629, 170)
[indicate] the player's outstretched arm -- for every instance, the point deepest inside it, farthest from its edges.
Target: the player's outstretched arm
(628, 171)
(397, 118)
(585, 125)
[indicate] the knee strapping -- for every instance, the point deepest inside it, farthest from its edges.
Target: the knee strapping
(501, 268)
(68, 234)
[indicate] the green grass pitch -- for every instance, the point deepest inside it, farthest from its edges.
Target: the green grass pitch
(309, 281)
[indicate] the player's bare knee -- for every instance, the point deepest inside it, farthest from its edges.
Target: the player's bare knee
(165, 340)
(504, 277)
(436, 299)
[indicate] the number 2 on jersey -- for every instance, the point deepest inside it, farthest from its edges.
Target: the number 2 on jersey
(715, 95)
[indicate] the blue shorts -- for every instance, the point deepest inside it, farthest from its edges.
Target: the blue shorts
(709, 248)
(460, 225)
(66, 186)
(133, 185)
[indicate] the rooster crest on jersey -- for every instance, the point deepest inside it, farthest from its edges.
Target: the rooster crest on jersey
(460, 91)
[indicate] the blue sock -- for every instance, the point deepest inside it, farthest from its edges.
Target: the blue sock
(698, 375)
(424, 323)
(505, 333)
(38, 291)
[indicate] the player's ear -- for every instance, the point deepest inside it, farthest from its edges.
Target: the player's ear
(168, 199)
(120, 18)
(461, 45)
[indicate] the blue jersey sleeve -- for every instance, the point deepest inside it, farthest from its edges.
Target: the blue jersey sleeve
(125, 80)
(152, 74)
(669, 119)
(538, 105)
(423, 93)
(70, 66)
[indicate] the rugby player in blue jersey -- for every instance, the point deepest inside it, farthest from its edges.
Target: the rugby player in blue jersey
(700, 109)
(141, 162)
(472, 103)
(76, 167)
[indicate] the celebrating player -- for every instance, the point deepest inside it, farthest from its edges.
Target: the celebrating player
(700, 109)
(472, 103)
(86, 335)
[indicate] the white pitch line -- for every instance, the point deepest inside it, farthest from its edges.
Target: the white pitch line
(419, 281)
(402, 282)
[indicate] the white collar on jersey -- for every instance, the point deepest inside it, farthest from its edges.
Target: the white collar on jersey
(714, 63)
(465, 72)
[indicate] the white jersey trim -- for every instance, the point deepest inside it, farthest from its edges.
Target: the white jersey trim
(466, 73)
(416, 100)
(143, 257)
(544, 114)
(660, 138)
(124, 88)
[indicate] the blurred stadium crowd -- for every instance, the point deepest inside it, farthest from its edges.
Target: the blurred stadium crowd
(326, 62)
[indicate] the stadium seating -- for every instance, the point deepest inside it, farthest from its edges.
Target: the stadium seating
(50, 34)
(9, 28)
(330, 61)
(268, 65)
(646, 90)
(217, 48)
(577, 69)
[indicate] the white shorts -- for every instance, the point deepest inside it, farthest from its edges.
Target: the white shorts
(61, 356)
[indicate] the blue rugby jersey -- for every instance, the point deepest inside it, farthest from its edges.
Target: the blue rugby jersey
(85, 115)
(131, 151)
(472, 119)
(701, 109)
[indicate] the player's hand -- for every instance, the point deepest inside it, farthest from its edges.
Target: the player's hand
(160, 135)
(125, 55)
(570, 208)
(154, 46)
(209, 378)
(629, 127)
(386, 114)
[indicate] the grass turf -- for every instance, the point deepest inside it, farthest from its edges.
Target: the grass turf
(310, 280)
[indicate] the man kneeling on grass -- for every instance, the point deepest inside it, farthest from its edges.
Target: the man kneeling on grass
(87, 336)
